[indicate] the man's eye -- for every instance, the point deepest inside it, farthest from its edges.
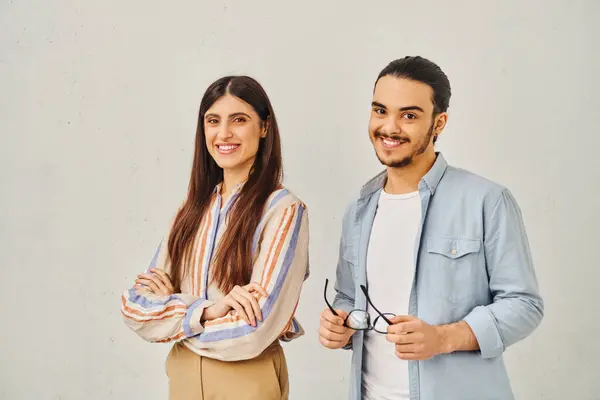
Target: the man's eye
(410, 116)
(380, 111)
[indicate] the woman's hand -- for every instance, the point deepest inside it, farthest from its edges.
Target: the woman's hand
(241, 299)
(158, 281)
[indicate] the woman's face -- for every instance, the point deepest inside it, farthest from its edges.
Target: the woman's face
(233, 131)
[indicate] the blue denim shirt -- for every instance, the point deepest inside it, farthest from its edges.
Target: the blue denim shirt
(473, 263)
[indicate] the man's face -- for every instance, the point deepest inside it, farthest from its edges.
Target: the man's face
(402, 123)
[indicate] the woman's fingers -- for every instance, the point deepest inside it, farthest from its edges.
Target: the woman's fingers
(231, 302)
(154, 283)
(165, 278)
(149, 283)
(255, 287)
(245, 303)
(256, 311)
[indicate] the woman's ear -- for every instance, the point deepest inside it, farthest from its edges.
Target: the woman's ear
(265, 129)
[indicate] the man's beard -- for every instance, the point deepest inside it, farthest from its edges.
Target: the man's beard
(406, 161)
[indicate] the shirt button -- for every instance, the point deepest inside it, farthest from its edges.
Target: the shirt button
(453, 252)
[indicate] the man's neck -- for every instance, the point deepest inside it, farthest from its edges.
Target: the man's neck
(406, 179)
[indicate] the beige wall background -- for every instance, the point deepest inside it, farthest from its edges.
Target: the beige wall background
(98, 110)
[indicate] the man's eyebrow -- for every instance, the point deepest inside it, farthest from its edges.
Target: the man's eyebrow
(407, 108)
(412, 108)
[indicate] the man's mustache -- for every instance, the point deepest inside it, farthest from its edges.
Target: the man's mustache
(392, 137)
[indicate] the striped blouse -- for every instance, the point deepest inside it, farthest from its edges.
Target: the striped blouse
(281, 266)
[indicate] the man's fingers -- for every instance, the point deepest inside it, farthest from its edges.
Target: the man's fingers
(331, 336)
(331, 344)
(327, 315)
(406, 338)
(409, 348)
(335, 328)
(404, 327)
(399, 339)
(409, 356)
(412, 352)
(402, 318)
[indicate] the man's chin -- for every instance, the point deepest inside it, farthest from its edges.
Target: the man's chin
(397, 162)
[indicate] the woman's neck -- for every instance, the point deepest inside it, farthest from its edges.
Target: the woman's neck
(231, 179)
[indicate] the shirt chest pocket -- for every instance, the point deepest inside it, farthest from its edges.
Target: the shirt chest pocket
(454, 267)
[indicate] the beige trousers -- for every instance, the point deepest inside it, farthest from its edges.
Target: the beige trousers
(192, 377)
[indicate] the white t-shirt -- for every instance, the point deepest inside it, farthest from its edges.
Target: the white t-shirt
(390, 271)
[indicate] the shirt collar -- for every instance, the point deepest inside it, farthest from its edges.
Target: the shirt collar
(236, 189)
(430, 180)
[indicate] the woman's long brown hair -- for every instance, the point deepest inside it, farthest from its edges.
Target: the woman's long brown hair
(234, 255)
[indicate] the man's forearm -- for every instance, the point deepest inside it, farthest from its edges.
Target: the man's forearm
(457, 337)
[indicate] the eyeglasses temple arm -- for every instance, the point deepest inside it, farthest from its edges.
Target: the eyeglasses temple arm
(364, 290)
(327, 301)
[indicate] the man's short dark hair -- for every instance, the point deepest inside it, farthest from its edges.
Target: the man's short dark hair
(420, 69)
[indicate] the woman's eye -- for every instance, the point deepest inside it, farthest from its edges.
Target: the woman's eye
(239, 120)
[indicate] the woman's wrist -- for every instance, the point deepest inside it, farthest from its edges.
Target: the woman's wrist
(216, 310)
(208, 314)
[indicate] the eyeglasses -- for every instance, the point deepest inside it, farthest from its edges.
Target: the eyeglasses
(359, 320)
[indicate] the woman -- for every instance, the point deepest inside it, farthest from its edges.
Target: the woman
(225, 282)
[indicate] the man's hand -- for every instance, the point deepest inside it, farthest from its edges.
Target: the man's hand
(332, 332)
(415, 339)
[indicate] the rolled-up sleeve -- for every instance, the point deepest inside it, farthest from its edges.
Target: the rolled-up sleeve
(158, 318)
(517, 308)
(344, 283)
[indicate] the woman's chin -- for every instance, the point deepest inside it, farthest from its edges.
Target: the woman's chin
(231, 166)
(226, 164)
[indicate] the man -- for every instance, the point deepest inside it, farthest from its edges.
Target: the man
(442, 249)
